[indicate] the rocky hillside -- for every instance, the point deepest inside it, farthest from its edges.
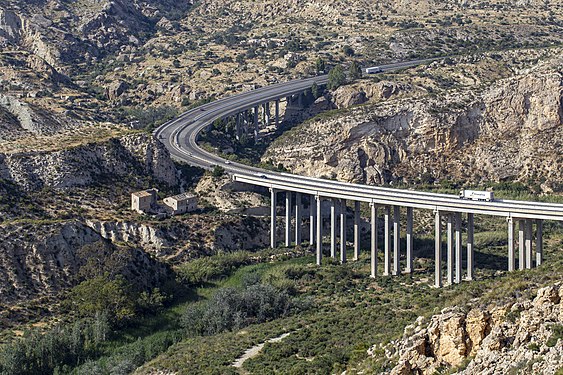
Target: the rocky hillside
(44, 258)
(523, 337)
(505, 129)
(131, 156)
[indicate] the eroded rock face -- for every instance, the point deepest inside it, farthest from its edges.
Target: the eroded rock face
(513, 130)
(131, 155)
(497, 344)
(43, 259)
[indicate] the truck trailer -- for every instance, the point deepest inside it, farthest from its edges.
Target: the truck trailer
(373, 70)
(477, 195)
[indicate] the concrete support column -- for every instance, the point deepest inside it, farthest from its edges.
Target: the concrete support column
(521, 255)
(277, 113)
(528, 244)
(470, 248)
(396, 240)
(332, 228)
(539, 242)
(266, 114)
(288, 218)
(458, 248)
(356, 230)
(343, 231)
(312, 212)
(256, 126)
(409, 268)
(319, 230)
(237, 126)
(450, 250)
(437, 251)
(298, 219)
(511, 251)
(387, 242)
(274, 203)
(373, 223)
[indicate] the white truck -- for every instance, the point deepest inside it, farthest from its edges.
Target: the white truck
(477, 195)
(373, 70)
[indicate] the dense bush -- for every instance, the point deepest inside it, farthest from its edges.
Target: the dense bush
(231, 309)
(202, 270)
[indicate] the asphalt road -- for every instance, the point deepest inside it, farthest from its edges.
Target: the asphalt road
(179, 136)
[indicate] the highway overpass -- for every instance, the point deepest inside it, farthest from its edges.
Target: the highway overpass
(180, 137)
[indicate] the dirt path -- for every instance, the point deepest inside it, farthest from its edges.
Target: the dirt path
(256, 349)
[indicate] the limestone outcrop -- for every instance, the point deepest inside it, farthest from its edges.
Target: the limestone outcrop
(131, 155)
(524, 336)
(512, 130)
(41, 259)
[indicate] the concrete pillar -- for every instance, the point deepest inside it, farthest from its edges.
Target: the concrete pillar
(298, 218)
(437, 251)
(470, 248)
(409, 268)
(319, 230)
(387, 242)
(458, 248)
(373, 223)
(237, 126)
(511, 252)
(521, 261)
(356, 230)
(273, 241)
(528, 244)
(332, 228)
(288, 218)
(277, 113)
(343, 231)
(312, 212)
(256, 126)
(450, 250)
(539, 242)
(396, 240)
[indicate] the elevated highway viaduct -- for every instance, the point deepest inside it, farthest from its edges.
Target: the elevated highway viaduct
(524, 218)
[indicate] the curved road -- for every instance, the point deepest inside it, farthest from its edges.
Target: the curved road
(180, 138)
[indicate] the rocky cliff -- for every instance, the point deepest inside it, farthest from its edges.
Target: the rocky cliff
(523, 337)
(133, 156)
(510, 130)
(42, 258)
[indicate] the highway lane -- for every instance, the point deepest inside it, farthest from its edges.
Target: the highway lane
(180, 137)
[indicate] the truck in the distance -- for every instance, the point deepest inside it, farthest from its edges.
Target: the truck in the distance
(477, 195)
(373, 70)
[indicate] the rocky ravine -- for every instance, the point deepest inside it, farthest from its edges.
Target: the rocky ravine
(512, 130)
(532, 343)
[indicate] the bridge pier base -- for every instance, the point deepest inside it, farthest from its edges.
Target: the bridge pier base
(373, 223)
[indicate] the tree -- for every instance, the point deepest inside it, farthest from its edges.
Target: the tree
(315, 90)
(320, 65)
(217, 171)
(348, 51)
(355, 70)
(336, 77)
